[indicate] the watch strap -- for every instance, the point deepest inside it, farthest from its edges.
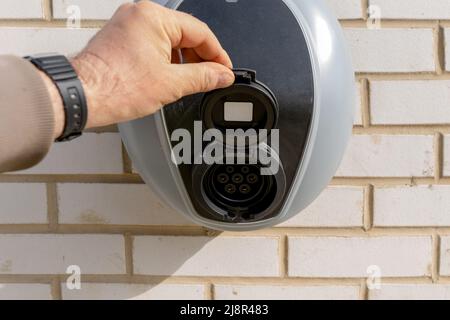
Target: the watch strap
(59, 69)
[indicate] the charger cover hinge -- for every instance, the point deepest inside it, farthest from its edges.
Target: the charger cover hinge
(245, 75)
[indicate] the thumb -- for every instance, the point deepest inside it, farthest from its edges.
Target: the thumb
(194, 78)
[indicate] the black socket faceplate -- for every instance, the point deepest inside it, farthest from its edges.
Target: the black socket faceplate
(265, 36)
(239, 190)
(246, 89)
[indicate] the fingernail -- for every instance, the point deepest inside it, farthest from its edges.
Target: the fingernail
(226, 79)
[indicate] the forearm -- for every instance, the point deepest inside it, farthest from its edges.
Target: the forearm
(32, 113)
(27, 121)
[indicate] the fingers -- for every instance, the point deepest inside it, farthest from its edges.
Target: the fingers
(197, 35)
(194, 78)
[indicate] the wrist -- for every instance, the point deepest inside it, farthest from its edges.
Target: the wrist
(84, 69)
(71, 97)
(57, 105)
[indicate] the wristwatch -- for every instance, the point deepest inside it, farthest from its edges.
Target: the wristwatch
(59, 69)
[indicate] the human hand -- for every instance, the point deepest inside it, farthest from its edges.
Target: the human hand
(131, 68)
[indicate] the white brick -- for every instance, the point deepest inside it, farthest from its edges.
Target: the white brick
(21, 9)
(88, 9)
(118, 204)
(23, 203)
(335, 207)
(25, 291)
(410, 102)
(118, 291)
(388, 156)
(204, 256)
(91, 154)
(261, 292)
(447, 156)
(413, 9)
(358, 121)
(25, 41)
(418, 206)
(52, 254)
(325, 257)
(391, 50)
(445, 256)
(346, 9)
(411, 292)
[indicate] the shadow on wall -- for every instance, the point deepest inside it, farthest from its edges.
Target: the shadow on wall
(157, 245)
(163, 244)
(156, 258)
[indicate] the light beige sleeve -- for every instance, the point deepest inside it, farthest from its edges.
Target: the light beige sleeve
(26, 115)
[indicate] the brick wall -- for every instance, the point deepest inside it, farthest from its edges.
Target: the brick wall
(387, 207)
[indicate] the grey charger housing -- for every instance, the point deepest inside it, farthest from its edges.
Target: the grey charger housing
(298, 51)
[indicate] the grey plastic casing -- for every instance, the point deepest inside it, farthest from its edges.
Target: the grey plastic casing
(148, 143)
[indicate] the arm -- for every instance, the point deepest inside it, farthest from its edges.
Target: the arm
(27, 122)
(129, 70)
